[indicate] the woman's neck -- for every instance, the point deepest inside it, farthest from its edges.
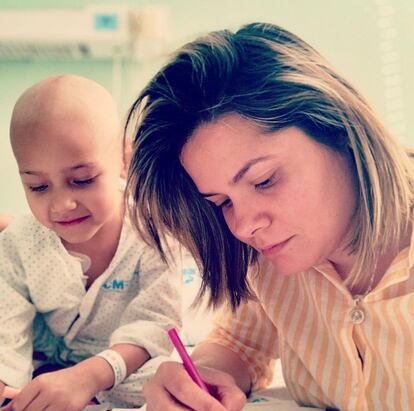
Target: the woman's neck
(344, 262)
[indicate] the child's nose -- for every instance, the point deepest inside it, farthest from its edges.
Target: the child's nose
(62, 202)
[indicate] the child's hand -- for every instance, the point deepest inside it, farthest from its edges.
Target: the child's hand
(172, 389)
(2, 385)
(63, 390)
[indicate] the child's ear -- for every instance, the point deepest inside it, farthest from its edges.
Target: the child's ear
(126, 158)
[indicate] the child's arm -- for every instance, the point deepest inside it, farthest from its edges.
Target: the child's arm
(4, 221)
(102, 372)
(133, 356)
(74, 387)
(16, 315)
(2, 386)
(155, 308)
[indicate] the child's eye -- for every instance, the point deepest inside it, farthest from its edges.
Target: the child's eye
(84, 182)
(40, 188)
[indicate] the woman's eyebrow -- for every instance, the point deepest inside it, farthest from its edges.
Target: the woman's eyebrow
(239, 175)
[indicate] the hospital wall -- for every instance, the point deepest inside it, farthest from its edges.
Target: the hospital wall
(371, 42)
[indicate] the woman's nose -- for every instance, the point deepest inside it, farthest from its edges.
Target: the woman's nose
(247, 220)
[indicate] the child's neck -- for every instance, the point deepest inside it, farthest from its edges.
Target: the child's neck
(101, 248)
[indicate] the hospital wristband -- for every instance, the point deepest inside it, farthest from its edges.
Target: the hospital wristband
(117, 363)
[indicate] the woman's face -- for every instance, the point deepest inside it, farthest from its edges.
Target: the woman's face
(283, 193)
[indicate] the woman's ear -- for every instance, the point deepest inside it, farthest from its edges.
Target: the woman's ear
(126, 158)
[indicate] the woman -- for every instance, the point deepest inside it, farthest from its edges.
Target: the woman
(297, 204)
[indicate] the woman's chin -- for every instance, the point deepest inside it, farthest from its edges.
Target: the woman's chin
(287, 269)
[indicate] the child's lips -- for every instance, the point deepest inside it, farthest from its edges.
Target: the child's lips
(72, 221)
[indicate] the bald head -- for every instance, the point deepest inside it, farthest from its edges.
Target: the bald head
(45, 109)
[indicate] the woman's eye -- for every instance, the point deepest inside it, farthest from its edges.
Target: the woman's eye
(84, 182)
(265, 183)
(224, 204)
(37, 189)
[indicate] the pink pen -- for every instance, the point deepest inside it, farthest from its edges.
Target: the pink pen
(187, 362)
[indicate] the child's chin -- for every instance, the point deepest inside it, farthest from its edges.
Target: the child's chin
(74, 238)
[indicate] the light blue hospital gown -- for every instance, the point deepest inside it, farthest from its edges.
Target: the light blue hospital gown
(45, 306)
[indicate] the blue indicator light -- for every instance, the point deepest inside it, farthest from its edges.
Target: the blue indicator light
(106, 21)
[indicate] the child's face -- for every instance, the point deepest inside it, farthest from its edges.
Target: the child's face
(70, 169)
(282, 193)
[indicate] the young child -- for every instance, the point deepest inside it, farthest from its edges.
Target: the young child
(76, 283)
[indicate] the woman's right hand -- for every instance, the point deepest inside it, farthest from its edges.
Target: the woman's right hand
(172, 389)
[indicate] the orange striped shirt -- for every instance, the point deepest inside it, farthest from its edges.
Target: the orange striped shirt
(336, 350)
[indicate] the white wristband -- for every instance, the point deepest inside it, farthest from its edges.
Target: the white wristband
(117, 363)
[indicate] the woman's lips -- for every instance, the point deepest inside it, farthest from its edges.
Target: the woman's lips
(275, 248)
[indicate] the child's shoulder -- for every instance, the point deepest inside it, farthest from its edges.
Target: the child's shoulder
(132, 241)
(131, 233)
(130, 238)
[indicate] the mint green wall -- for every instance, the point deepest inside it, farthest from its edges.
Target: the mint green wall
(351, 34)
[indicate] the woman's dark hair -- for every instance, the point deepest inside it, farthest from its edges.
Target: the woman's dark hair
(271, 77)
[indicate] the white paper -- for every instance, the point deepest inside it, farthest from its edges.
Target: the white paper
(265, 403)
(268, 400)
(98, 407)
(257, 403)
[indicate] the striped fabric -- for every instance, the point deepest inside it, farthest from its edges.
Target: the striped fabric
(336, 350)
